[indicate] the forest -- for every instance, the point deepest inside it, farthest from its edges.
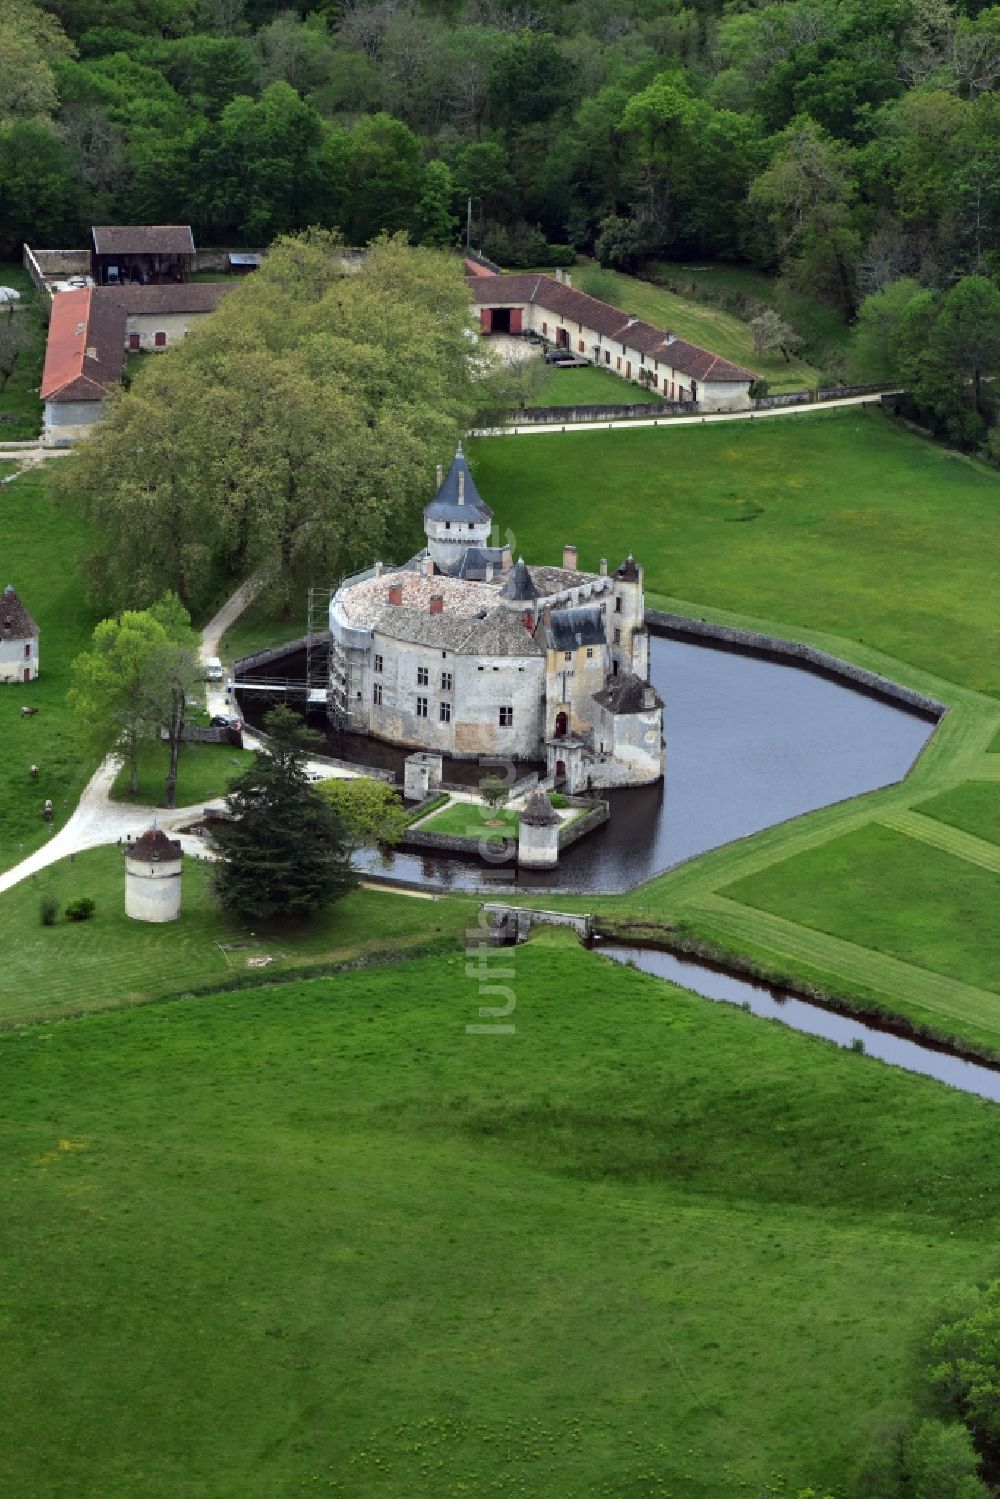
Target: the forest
(851, 147)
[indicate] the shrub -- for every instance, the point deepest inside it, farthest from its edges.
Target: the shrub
(48, 910)
(81, 909)
(556, 799)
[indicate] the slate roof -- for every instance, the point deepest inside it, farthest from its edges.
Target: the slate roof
(519, 584)
(625, 694)
(85, 348)
(566, 629)
(610, 322)
(15, 621)
(445, 504)
(154, 847)
(549, 580)
(538, 811)
(177, 296)
(472, 564)
(143, 239)
(498, 633)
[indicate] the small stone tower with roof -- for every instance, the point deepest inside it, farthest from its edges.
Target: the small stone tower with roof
(153, 877)
(538, 833)
(18, 640)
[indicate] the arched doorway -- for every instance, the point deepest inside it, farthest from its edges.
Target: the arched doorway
(562, 724)
(560, 770)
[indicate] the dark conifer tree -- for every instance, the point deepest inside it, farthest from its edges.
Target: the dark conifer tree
(285, 854)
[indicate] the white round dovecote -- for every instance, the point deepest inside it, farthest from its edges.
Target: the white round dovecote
(153, 877)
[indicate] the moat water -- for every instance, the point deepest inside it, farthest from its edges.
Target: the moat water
(879, 1041)
(750, 743)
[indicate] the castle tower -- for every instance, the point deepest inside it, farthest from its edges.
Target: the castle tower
(538, 833)
(628, 638)
(456, 518)
(153, 877)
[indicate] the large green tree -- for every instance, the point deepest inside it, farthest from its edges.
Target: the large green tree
(284, 855)
(293, 432)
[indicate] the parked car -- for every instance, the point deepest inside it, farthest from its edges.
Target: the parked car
(557, 356)
(213, 669)
(224, 721)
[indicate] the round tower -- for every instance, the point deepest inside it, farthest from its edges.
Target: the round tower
(538, 833)
(456, 518)
(153, 877)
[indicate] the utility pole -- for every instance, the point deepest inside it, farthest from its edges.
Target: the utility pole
(468, 223)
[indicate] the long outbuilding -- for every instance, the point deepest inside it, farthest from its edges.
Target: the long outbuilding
(617, 341)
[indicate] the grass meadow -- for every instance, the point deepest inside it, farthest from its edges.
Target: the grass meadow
(40, 549)
(840, 521)
(76, 967)
(589, 387)
(317, 1237)
(973, 807)
(700, 322)
(203, 772)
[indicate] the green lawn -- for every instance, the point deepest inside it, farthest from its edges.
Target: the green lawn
(698, 321)
(974, 807)
(826, 336)
(589, 387)
(20, 406)
(320, 1237)
(877, 888)
(841, 522)
(258, 627)
(112, 961)
(204, 772)
(40, 547)
(472, 820)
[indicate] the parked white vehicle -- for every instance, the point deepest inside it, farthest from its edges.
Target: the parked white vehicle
(213, 669)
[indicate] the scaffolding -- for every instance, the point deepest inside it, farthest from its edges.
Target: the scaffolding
(317, 629)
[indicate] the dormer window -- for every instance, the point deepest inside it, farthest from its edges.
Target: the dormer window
(447, 525)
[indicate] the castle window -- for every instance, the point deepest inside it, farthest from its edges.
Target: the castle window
(444, 712)
(567, 655)
(378, 663)
(421, 707)
(618, 606)
(377, 694)
(607, 356)
(446, 681)
(27, 651)
(447, 525)
(423, 676)
(618, 637)
(506, 718)
(590, 653)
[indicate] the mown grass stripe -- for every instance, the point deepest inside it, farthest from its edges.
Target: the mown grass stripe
(952, 840)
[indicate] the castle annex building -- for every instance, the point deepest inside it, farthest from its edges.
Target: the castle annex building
(466, 653)
(615, 341)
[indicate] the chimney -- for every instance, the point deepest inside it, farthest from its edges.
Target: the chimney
(440, 474)
(436, 605)
(603, 567)
(378, 569)
(506, 559)
(569, 558)
(669, 336)
(648, 697)
(529, 621)
(489, 573)
(461, 486)
(396, 593)
(427, 567)
(567, 278)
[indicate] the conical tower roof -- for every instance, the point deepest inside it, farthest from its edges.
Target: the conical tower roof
(458, 499)
(538, 811)
(15, 621)
(518, 584)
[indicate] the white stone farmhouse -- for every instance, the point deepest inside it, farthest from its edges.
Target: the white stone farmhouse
(463, 652)
(18, 639)
(609, 338)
